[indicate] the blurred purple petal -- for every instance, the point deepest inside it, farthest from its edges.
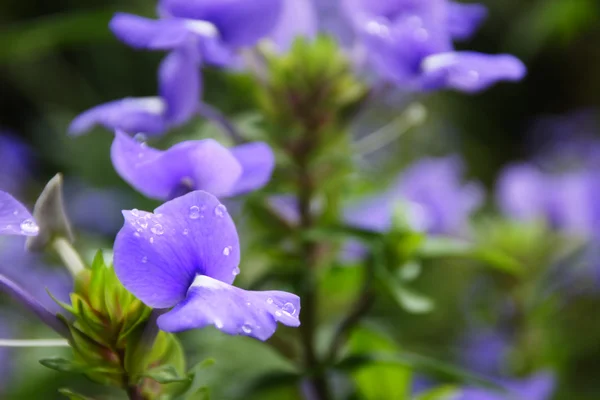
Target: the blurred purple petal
(202, 164)
(145, 33)
(180, 84)
(469, 71)
(485, 352)
(131, 115)
(465, 19)
(157, 256)
(536, 387)
(298, 19)
(257, 161)
(521, 192)
(15, 219)
(240, 22)
(232, 310)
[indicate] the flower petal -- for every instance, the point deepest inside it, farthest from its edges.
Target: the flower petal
(192, 165)
(157, 256)
(257, 161)
(146, 33)
(465, 19)
(14, 217)
(240, 22)
(131, 115)
(298, 18)
(470, 72)
(522, 191)
(180, 83)
(232, 310)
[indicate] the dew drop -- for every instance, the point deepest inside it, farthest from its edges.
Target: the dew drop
(220, 210)
(186, 231)
(248, 304)
(269, 301)
(158, 229)
(278, 313)
(246, 328)
(135, 212)
(144, 260)
(289, 308)
(140, 138)
(136, 234)
(142, 222)
(218, 323)
(29, 226)
(194, 212)
(152, 239)
(236, 271)
(227, 251)
(16, 212)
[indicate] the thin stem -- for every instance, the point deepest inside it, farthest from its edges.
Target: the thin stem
(69, 256)
(217, 117)
(34, 343)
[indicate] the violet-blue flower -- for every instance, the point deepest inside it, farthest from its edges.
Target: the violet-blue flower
(410, 43)
(435, 198)
(192, 165)
(186, 255)
(298, 19)
(15, 219)
(180, 86)
(536, 387)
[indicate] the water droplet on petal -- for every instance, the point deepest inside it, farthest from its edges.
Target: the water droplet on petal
(16, 212)
(144, 260)
(29, 226)
(220, 210)
(140, 138)
(248, 304)
(278, 313)
(289, 308)
(246, 328)
(135, 212)
(186, 231)
(152, 239)
(194, 212)
(236, 271)
(227, 251)
(269, 301)
(142, 222)
(218, 323)
(136, 234)
(158, 229)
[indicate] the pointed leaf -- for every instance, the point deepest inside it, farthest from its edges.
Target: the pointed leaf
(165, 374)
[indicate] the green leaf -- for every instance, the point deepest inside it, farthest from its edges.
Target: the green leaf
(165, 374)
(406, 298)
(439, 393)
(63, 365)
(72, 395)
(445, 247)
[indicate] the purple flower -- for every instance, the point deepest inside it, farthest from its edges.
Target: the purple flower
(298, 18)
(14, 217)
(16, 162)
(485, 352)
(537, 387)
(179, 81)
(410, 43)
(186, 255)
(192, 165)
(239, 23)
(432, 192)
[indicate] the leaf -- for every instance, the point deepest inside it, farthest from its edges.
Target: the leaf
(72, 395)
(63, 365)
(439, 393)
(406, 298)
(417, 363)
(165, 374)
(445, 247)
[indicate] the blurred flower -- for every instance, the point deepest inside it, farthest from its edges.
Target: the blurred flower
(192, 165)
(298, 18)
(485, 352)
(16, 163)
(435, 198)
(179, 82)
(186, 255)
(410, 43)
(537, 387)
(14, 217)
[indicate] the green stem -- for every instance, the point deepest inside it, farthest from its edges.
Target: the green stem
(69, 256)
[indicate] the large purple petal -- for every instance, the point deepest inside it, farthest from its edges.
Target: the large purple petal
(131, 115)
(232, 310)
(191, 165)
(158, 256)
(14, 217)
(298, 18)
(180, 84)
(465, 19)
(257, 161)
(146, 33)
(470, 72)
(240, 22)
